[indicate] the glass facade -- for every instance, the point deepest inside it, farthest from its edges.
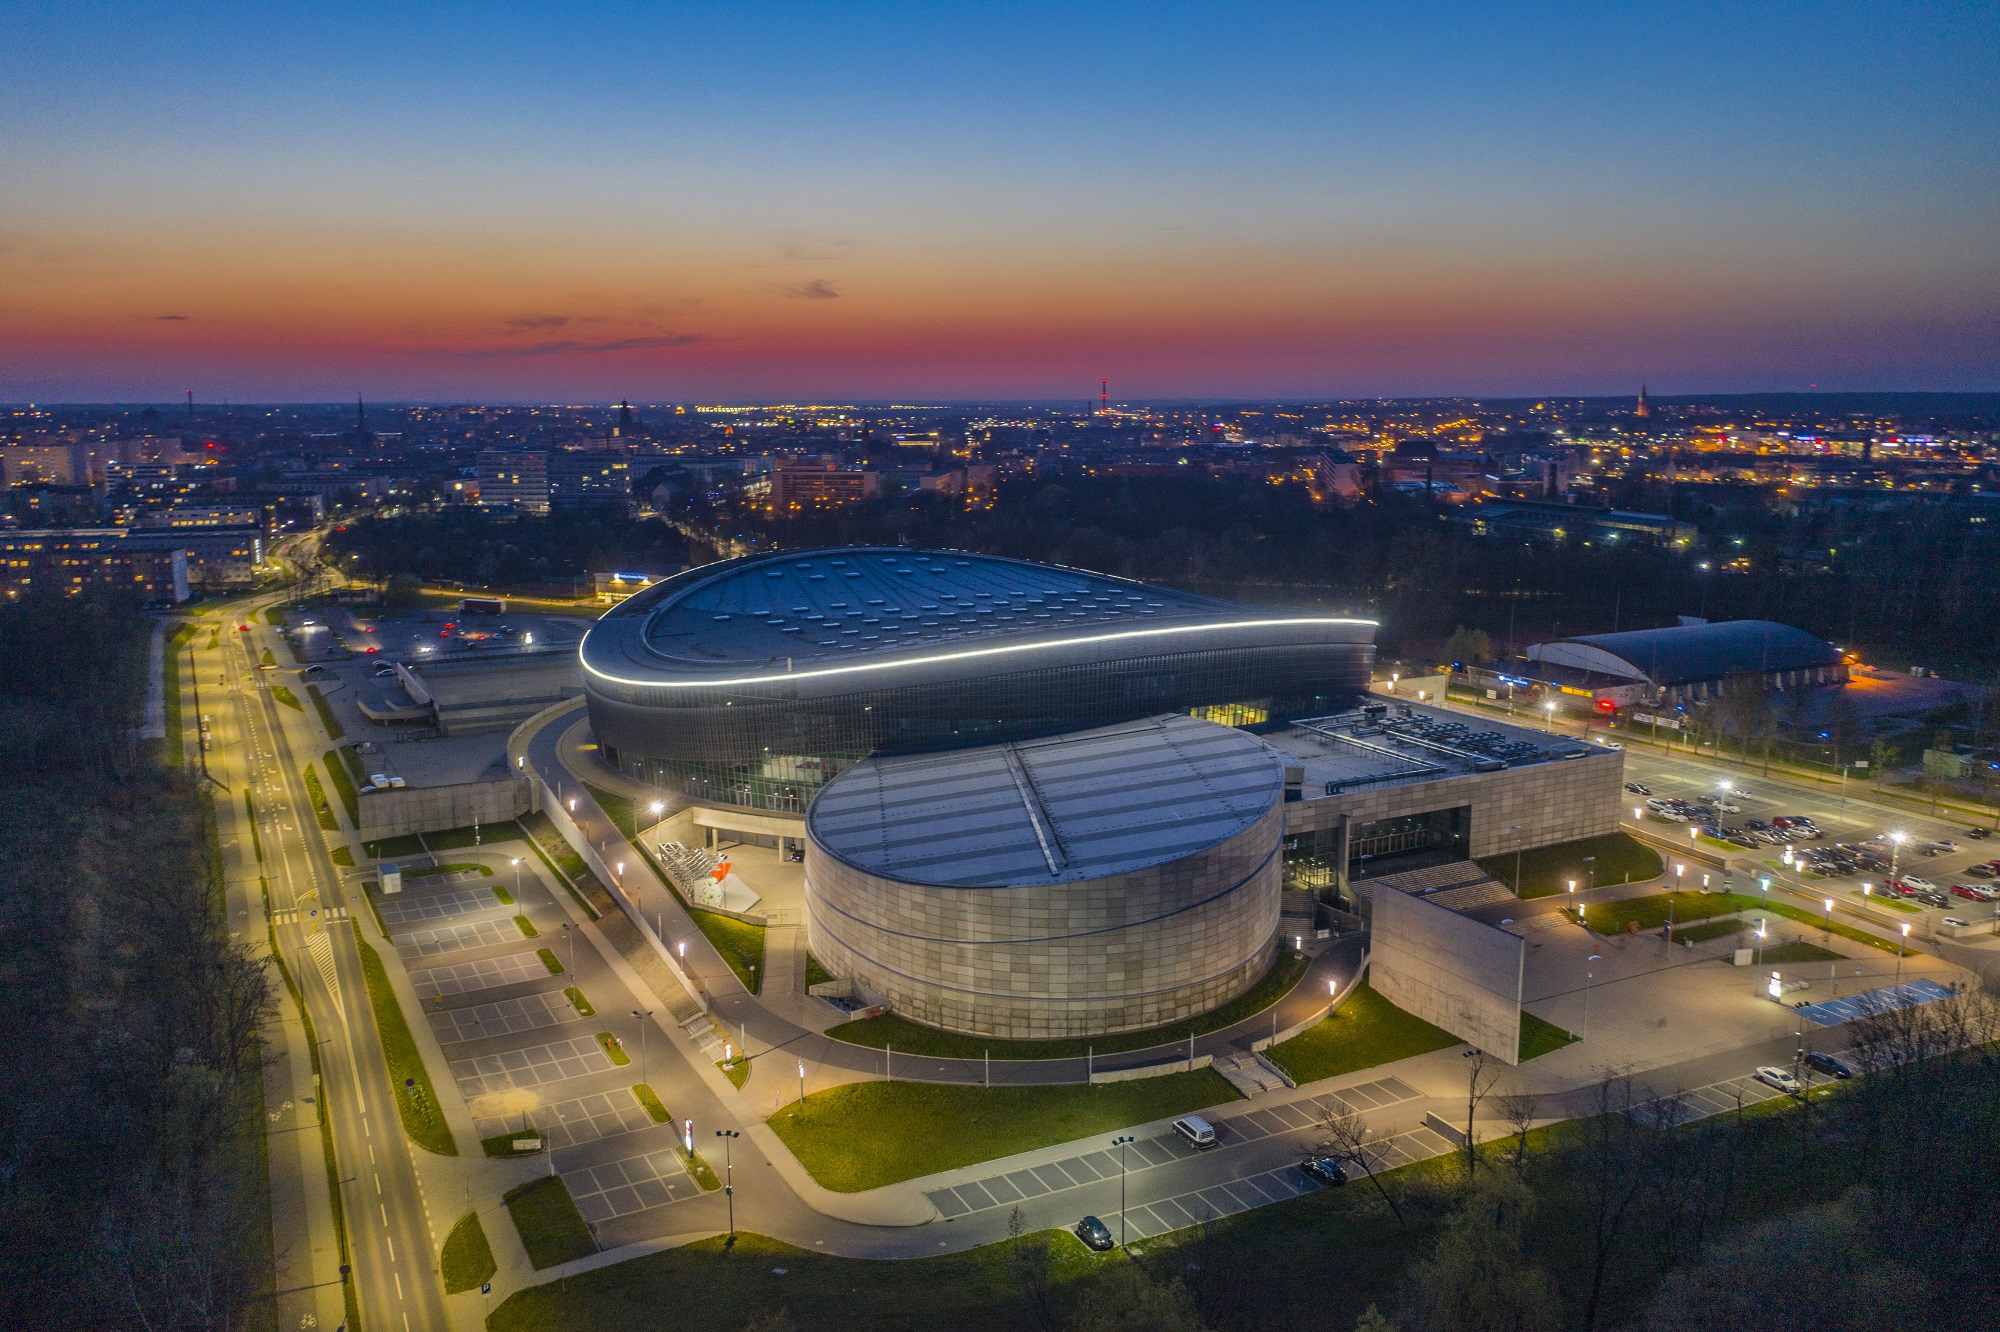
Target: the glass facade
(764, 746)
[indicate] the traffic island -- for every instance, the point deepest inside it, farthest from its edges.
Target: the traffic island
(551, 1229)
(410, 1081)
(467, 1260)
(866, 1134)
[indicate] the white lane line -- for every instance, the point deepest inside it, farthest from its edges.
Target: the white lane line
(378, 1182)
(385, 1215)
(392, 1247)
(399, 1284)
(371, 1153)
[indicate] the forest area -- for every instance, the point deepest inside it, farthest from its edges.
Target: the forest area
(132, 1186)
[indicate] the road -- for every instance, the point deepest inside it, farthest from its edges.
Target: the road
(255, 746)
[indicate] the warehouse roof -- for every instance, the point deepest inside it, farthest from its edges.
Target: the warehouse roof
(1691, 653)
(1080, 806)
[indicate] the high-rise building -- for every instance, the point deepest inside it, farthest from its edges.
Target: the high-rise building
(589, 479)
(510, 480)
(1643, 411)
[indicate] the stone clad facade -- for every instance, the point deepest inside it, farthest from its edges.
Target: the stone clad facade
(1083, 957)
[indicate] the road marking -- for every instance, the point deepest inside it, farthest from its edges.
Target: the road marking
(392, 1248)
(378, 1181)
(385, 1215)
(399, 1284)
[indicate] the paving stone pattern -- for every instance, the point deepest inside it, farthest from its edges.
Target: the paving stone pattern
(503, 1017)
(630, 1185)
(573, 1123)
(457, 938)
(485, 974)
(405, 910)
(519, 1069)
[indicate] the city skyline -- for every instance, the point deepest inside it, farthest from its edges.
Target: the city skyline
(889, 205)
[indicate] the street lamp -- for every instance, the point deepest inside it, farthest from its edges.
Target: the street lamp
(1588, 976)
(643, 1014)
(729, 1177)
(1900, 952)
(802, 1081)
(1550, 708)
(1121, 1144)
(1896, 840)
(517, 878)
(659, 811)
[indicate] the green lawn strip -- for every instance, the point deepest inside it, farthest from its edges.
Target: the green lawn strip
(343, 857)
(250, 808)
(578, 1001)
(503, 1145)
(274, 617)
(170, 660)
(1540, 1037)
(287, 697)
(392, 848)
(355, 768)
(1709, 929)
(505, 898)
(1366, 1030)
(1620, 858)
(696, 1167)
(611, 1047)
(375, 908)
(527, 927)
(651, 1100)
(551, 1229)
(1798, 950)
(867, 1134)
(467, 1260)
(1651, 913)
(740, 943)
(423, 1119)
(456, 867)
(325, 710)
(621, 810)
(317, 794)
(736, 1070)
(564, 864)
(457, 839)
(907, 1037)
(815, 973)
(550, 960)
(266, 657)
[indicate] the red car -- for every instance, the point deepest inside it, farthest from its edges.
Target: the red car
(242, 628)
(1973, 892)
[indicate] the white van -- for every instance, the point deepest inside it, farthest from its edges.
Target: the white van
(1198, 1131)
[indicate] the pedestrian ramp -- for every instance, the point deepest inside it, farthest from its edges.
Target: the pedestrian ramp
(1872, 1003)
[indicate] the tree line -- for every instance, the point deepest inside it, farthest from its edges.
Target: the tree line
(131, 1127)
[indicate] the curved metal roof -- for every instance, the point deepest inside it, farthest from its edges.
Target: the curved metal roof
(1065, 809)
(814, 614)
(1692, 653)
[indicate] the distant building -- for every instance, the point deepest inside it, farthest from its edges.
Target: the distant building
(812, 487)
(182, 517)
(1536, 520)
(615, 586)
(588, 479)
(517, 481)
(81, 559)
(1695, 661)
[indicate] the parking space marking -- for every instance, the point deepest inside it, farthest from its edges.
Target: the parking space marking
(456, 938)
(502, 1017)
(532, 1067)
(631, 1185)
(485, 974)
(404, 909)
(575, 1122)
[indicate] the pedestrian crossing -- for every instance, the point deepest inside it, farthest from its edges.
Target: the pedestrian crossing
(308, 915)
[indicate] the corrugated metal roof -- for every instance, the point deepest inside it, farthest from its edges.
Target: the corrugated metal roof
(1688, 654)
(1072, 807)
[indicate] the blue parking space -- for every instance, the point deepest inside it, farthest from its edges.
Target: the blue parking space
(1833, 1012)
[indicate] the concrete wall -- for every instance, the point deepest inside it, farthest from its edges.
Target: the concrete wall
(1450, 970)
(1119, 953)
(1561, 801)
(436, 808)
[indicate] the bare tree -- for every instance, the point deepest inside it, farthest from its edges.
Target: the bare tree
(1482, 1071)
(1520, 1110)
(1345, 1136)
(1032, 1268)
(1610, 1179)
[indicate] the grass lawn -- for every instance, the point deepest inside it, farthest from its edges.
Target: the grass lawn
(1799, 951)
(1364, 1031)
(815, 973)
(389, 848)
(503, 1146)
(506, 898)
(609, 1044)
(1709, 929)
(579, 1003)
(456, 867)
(1539, 1037)
(287, 697)
(527, 927)
(741, 945)
(467, 1260)
(651, 1100)
(457, 839)
(343, 857)
(1651, 913)
(1621, 858)
(274, 616)
(550, 960)
(317, 794)
(736, 1070)
(343, 787)
(266, 657)
(325, 710)
(620, 810)
(422, 1118)
(866, 1134)
(909, 1038)
(551, 1229)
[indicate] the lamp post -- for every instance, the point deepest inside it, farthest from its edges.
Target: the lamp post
(802, 1081)
(643, 1014)
(517, 878)
(659, 812)
(729, 1177)
(1550, 708)
(1900, 951)
(1121, 1144)
(1588, 977)
(1515, 828)
(569, 936)
(1896, 840)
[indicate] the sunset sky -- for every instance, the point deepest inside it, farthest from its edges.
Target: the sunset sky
(790, 202)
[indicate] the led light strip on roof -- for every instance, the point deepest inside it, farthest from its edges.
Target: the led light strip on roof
(1003, 650)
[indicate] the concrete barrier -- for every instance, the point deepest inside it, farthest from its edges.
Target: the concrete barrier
(1158, 1070)
(433, 808)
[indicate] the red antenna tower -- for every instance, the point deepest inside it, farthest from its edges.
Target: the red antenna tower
(1103, 396)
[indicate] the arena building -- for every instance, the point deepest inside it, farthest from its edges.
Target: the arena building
(753, 682)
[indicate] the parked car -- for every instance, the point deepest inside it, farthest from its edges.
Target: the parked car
(1944, 846)
(1324, 1169)
(1978, 834)
(1757, 825)
(1773, 1076)
(1638, 788)
(1822, 1062)
(1913, 884)
(1095, 1234)
(1198, 1132)
(1973, 891)
(1932, 898)
(1957, 924)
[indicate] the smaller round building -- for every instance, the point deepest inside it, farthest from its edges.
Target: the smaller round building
(1102, 881)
